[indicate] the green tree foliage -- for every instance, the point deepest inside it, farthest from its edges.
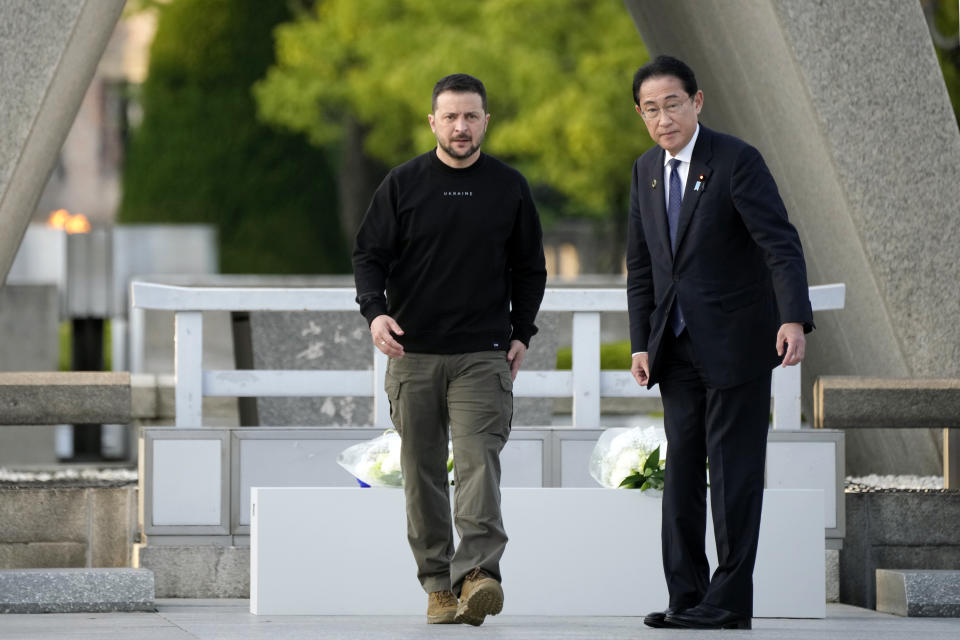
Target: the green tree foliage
(201, 156)
(946, 22)
(558, 75)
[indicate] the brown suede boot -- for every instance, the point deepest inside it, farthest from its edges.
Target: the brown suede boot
(480, 596)
(441, 607)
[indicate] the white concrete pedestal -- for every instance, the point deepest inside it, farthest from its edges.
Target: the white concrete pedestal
(338, 551)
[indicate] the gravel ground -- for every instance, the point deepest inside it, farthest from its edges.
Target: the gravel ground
(122, 476)
(875, 482)
(68, 477)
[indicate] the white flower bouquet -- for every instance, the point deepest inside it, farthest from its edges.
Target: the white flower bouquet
(630, 458)
(376, 462)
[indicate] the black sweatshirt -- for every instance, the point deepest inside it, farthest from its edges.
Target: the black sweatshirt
(459, 253)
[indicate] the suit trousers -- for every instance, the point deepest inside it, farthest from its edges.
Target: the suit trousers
(466, 399)
(727, 427)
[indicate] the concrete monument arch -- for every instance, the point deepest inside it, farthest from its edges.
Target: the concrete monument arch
(48, 54)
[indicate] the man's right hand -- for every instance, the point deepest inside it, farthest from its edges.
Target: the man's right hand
(640, 368)
(382, 332)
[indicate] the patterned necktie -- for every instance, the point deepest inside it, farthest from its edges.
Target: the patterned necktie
(677, 322)
(676, 197)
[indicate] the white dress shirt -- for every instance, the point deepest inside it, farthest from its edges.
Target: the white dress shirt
(684, 156)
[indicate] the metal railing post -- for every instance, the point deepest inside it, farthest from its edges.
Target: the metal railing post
(188, 367)
(137, 338)
(586, 369)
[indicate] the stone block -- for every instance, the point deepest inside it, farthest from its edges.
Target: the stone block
(29, 323)
(197, 571)
(843, 402)
(914, 518)
(896, 530)
(934, 593)
(27, 445)
(903, 452)
(31, 555)
(43, 515)
(67, 527)
(113, 526)
(92, 397)
(76, 590)
(892, 410)
(144, 396)
(832, 572)
(312, 340)
(917, 557)
(854, 563)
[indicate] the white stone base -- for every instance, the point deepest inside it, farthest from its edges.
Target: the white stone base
(343, 551)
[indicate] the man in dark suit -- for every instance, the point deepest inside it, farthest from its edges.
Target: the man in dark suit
(717, 295)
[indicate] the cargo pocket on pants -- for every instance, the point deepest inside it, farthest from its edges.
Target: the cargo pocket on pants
(392, 387)
(506, 385)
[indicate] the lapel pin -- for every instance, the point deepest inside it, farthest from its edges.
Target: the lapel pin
(653, 185)
(699, 184)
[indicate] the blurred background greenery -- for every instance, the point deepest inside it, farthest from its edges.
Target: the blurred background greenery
(275, 121)
(201, 155)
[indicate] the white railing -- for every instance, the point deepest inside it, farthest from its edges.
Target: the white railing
(585, 383)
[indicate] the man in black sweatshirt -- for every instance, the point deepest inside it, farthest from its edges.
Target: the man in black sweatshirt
(450, 273)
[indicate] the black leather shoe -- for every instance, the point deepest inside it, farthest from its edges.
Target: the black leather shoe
(658, 619)
(706, 616)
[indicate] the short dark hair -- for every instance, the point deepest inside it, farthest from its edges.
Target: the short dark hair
(459, 83)
(664, 66)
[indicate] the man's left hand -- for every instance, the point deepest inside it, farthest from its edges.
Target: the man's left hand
(515, 357)
(791, 336)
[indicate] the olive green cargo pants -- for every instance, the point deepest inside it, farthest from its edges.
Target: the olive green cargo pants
(473, 394)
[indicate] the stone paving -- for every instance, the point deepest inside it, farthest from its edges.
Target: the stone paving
(231, 620)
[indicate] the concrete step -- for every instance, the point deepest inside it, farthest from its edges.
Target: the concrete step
(76, 590)
(919, 593)
(56, 397)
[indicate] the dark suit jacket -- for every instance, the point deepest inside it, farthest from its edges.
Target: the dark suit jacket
(738, 270)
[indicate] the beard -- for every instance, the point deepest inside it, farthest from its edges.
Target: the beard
(450, 151)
